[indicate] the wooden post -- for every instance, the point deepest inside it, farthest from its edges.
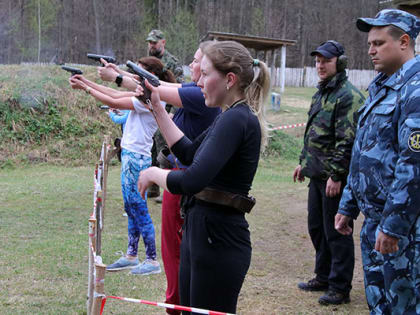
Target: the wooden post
(105, 177)
(91, 276)
(283, 68)
(99, 292)
(98, 218)
(273, 69)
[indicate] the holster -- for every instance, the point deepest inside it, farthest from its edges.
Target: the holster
(241, 203)
(163, 160)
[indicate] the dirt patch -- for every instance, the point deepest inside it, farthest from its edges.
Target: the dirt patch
(283, 255)
(296, 102)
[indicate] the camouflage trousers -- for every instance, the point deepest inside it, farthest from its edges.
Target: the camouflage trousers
(158, 144)
(392, 281)
(158, 140)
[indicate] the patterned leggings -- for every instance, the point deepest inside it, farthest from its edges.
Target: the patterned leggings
(139, 220)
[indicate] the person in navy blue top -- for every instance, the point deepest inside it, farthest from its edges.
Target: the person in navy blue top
(222, 161)
(194, 112)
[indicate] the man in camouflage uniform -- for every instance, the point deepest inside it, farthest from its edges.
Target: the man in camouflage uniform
(156, 47)
(384, 179)
(325, 159)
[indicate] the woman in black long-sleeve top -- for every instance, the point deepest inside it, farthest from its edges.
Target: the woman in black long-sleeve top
(216, 246)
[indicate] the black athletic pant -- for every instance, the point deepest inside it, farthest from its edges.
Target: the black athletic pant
(215, 257)
(334, 261)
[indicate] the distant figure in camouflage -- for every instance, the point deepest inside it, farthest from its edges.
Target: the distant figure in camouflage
(325, 159)
(156, 47)
(384, 179)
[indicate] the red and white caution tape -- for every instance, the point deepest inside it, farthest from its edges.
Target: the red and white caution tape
(289, 126)
(171, 306)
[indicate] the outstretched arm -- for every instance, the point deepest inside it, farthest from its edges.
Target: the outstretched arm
(170, 95)
(110, 71)
(121, 103)
(104, 89)
(169, 84)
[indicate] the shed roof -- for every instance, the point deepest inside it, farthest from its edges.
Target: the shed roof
(406, 2)
(412, 6)
(249, 41)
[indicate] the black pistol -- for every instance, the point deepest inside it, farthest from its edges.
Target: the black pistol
(96, 57)
(72, 70)
(143, 74)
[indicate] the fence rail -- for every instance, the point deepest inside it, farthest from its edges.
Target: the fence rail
(308, 77)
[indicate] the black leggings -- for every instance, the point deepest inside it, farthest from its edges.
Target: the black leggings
(215, 257)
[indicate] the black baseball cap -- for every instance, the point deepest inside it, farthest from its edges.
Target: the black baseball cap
(329, 49)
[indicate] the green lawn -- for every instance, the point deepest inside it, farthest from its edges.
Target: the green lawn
(43, 257)
(44, 211)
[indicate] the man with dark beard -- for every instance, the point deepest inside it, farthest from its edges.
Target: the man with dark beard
(156, 48)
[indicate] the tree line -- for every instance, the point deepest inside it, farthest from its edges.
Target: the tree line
(65, 30)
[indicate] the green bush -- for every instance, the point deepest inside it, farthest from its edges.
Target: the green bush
(283, 145)
(43, 120)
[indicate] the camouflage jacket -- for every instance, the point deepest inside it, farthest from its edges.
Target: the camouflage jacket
(384, 178)
(330, 129)
(171, 63)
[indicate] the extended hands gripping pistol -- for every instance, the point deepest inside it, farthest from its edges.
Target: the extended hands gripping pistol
(144, 74)
(72, 70)
(145, 98)
(96, 57)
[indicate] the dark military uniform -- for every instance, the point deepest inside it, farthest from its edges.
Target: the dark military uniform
(326, 153)
(171, 63)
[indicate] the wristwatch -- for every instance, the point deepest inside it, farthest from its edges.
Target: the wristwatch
(119, 79)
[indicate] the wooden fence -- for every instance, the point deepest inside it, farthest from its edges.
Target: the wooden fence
(308, 77)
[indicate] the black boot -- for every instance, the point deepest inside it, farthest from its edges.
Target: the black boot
(334, 298)
(313, 285)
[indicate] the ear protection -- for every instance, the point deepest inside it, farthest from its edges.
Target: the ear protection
(342, 59)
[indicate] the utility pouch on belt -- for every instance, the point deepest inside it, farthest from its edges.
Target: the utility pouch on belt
(162, 158)
(224, 198)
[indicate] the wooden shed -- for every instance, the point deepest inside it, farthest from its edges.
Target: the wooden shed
(268, 45)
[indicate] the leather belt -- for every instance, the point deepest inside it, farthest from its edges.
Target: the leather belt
(241, 203)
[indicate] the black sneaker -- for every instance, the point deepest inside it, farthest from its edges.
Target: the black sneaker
(334, 298)
(313, 285)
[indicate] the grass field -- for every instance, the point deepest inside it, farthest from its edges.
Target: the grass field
(43, 233)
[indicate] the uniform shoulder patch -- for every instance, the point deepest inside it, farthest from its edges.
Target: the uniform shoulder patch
(414, 141)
